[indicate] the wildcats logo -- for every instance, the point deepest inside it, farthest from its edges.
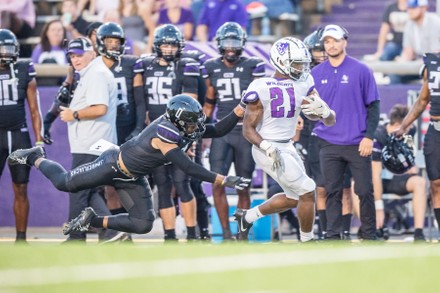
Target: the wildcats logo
(282, 48)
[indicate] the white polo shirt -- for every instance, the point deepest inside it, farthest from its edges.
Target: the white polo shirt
(96, 86)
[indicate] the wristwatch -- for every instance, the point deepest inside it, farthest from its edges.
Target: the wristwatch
(75, 115)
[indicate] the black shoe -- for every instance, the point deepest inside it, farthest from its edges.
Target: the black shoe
(204, 236)
(346, 235)
(19, 157)
(80, 223)
(243, 226)
(419, 238)
(383, 233)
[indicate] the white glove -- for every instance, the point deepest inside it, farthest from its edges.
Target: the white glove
(316, 107)
(274, 154)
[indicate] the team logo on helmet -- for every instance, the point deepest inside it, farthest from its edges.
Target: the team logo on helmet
(282, 48)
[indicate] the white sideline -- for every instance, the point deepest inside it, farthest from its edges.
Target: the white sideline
(128, 270)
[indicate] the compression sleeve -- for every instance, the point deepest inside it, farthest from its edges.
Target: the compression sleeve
(178, 158)
(373, 115)
(139, 99)
(222, 127)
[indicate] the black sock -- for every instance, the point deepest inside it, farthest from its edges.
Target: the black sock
(20, 235)
(322, 220)
(346, 222)
(190, 232)
(169, 234)
(120, 210)
(202, 220)
(437, 215)
(97, 222)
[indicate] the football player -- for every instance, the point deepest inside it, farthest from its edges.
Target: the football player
(17, 85)
(429, 94)
(227, 77)
(270, 122)
(130, 118)
(167, 73)
(164, 140)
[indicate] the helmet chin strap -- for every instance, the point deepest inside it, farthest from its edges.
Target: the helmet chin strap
(14, 79)
(118, 68)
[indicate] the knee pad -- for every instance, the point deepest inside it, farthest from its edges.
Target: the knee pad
(165, 201)
(143, 226)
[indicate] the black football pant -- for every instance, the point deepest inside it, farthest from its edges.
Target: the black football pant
(134, 193)
(334, 161)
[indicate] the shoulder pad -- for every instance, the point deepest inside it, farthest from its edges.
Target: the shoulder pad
(147, 60)
(190, 67)
(26, 64)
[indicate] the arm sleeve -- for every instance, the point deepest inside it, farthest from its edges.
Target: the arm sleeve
(222, 127)
(139, 99)
(178, 158)
(373, 115)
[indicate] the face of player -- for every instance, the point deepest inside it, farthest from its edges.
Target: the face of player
(318, 56)
(112, 44)
(169, 51)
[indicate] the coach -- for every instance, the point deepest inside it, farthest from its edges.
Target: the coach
(349, 88)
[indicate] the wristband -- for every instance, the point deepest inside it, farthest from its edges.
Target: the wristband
(265, 145)
(378, 204)
(37, 143)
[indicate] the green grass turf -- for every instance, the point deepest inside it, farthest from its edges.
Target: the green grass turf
(184, 267)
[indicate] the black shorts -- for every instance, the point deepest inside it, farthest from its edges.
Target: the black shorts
(9, 142)
(232, 147)
(397, 185)
(431, 150)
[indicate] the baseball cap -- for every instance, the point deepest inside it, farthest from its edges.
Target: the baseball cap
(334, 31)
(417, 3)
(79, 46)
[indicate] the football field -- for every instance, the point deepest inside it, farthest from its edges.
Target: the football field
(233, 267)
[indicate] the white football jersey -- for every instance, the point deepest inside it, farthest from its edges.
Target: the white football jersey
(281, 101)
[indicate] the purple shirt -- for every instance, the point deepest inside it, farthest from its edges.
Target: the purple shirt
(185, 17)
(348, 90)
(216, 12)
(55, 55)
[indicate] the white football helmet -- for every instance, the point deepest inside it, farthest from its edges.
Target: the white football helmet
(291, 57)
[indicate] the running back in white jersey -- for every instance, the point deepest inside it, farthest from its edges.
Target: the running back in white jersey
(281, 101)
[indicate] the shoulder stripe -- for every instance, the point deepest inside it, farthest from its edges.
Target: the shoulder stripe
(165, 139)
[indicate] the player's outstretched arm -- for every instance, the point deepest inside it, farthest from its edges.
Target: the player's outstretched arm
(176, 156)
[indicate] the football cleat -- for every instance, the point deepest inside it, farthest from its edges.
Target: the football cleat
(346, 235)
(19, 157)
(243, 225)
(119, 238)
(80, 223)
